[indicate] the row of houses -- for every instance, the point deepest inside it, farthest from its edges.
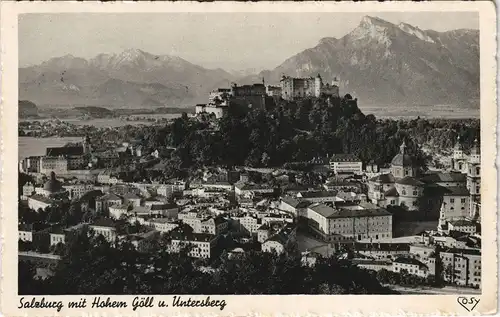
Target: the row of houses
(456, 257)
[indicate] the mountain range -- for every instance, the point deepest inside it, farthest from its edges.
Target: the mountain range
(131, 79)
(377, 62)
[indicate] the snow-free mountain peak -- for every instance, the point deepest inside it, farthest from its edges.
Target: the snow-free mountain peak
(64, 62)
(413, 30)
(383, 63)
(374, 29)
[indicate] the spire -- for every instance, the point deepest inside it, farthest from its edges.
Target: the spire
(402, 147)
(457, 144)
(475, 147)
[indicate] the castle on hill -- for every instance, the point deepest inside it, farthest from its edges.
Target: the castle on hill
(296, 88)
(256, 95)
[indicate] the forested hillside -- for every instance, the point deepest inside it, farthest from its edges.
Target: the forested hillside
(302, 130)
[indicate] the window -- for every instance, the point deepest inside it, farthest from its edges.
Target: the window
(414, 203)
(478, 170)
(406, 172)
(415, 193)
(452, 200)
(393, 202)
(404, 192)
(463, 200)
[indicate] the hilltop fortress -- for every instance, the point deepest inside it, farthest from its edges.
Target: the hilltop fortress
(294, 88)
(254, 96)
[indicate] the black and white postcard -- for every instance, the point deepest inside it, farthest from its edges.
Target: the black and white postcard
(182, 158)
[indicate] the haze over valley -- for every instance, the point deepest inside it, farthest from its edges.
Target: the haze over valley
(386, 66)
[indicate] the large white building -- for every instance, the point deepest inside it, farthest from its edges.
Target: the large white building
(364, 221)
(345, 163)
(106, 228)
(202, 244)
(462, 266)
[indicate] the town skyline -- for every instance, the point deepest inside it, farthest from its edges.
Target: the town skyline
(287, 34)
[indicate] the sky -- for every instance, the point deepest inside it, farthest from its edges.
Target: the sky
(232, 41)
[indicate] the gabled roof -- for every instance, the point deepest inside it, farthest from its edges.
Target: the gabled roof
(318, 194)
(393, 192)
(324, 210)
(403, 247)
(462, 251)
(411, 261)
(42, 199)
(408, 180)
(140, 210)
(290, 201)
(348, 213)
(130, 196)
(444, 177)
(110, 196)
(190, 236)
(91, 194)
(279, 237)
(456, 191)
(37, 226)
(344, 158)
(103, 222)
(462, 223)
(383, 178)
(64, 151)
(218, 220)
(304, 204)
(164, 206)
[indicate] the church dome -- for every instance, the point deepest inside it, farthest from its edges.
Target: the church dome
(52, 185)
(402, 159)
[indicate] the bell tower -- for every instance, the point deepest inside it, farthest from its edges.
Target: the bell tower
(474, 176)
(87, 147)
(318, 84)
(459, 160)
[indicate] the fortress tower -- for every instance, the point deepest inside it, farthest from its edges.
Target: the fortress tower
(318, 84)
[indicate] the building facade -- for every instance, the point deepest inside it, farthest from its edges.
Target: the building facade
(345, 163)
(360, 222)
(462, 266)
(296, 88)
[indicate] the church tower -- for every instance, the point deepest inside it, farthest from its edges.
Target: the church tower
(459, 161)
(318, 84)
(87, 147)
(442, 217)
(474, 177)
(402, 164)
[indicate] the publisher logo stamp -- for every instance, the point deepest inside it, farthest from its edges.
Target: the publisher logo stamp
(468, 303)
